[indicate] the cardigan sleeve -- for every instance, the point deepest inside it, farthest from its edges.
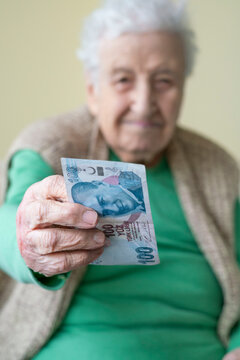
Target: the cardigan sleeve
(27, 167)
(235, 335)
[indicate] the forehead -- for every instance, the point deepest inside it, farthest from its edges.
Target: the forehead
(142, 51)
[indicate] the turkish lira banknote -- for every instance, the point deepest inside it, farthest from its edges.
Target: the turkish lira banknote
(118, 192)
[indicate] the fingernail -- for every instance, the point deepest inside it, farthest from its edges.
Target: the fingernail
(89, 217)
(99, 237)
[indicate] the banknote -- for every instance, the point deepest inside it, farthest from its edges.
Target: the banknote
(118, 192)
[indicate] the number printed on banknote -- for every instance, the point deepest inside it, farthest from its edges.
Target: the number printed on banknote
(118, 192)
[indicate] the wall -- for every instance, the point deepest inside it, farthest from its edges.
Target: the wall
(41, 76)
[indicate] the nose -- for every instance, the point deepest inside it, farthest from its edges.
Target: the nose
(143, 102)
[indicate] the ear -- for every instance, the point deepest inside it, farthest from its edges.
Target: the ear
(92, 96)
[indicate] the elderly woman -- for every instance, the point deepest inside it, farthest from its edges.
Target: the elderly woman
(137, 55)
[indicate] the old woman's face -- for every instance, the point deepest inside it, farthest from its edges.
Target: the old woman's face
(139, 93)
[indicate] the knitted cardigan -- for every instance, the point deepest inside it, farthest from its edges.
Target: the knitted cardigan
(206, 180)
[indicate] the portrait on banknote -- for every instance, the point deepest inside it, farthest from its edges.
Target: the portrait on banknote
(113, 196)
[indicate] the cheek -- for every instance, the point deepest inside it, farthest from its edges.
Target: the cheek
(170, 104)
(110, 115)
(130, 204)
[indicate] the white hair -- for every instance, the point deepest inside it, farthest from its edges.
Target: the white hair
(117, 17)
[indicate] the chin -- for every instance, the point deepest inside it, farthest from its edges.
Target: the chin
(136, 154)
(145, 147)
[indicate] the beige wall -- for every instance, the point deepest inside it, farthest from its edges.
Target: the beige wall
(40, 75)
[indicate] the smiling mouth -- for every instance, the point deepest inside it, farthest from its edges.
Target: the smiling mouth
(143, 124)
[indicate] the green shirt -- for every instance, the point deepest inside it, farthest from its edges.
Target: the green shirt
(168, 311)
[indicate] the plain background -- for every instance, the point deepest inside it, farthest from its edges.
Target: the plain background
(40, 75)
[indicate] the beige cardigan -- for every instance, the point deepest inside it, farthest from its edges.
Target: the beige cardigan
(207, 184)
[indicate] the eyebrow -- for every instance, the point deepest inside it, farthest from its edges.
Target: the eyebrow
(121, 70)
(163, 71)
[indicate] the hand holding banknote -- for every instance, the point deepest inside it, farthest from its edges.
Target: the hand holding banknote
(55, 236)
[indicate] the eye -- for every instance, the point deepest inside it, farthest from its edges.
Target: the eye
(163, 83)
(123, 80)
(101, 201)
(123, 83)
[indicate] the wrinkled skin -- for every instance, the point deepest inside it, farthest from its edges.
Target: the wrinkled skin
(233, 355)
(55, 236)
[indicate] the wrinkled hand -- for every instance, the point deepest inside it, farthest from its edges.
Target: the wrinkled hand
(55, 236)
(233, 355)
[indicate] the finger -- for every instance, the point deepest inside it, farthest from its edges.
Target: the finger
(233, 355)
(52, 187)
(47, 241)
(49, 212)
(59, 263)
